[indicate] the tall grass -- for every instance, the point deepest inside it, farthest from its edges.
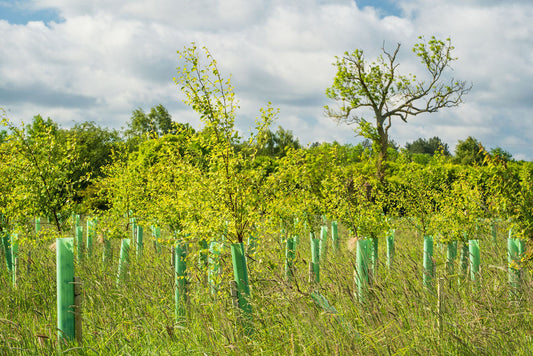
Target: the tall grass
(400, 316)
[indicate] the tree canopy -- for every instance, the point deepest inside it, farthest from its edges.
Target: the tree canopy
(428, 146)
(364, 89)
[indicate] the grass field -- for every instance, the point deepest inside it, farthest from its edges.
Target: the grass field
(400, 316)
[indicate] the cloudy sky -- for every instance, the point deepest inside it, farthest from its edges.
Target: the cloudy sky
(99, 60)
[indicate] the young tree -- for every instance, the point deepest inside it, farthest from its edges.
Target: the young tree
(236, 184)
(377, 88)
(41, 161)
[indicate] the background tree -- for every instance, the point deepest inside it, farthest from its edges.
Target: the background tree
(469, 152)
(377, 89)
(276, 144)
(157, 122)
(94, 147)
(428, 146)
(500, 154)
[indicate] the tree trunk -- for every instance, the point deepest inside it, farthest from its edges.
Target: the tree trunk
(383, 143)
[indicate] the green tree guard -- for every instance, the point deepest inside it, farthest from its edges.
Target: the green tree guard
(521, 247)
(473, 248)
(123, 260)
(362, 259)
(140, 244)
(91, 232)
(315, 258)
(451, 255)
(133, 229)
(180, 266)
(240, 273)
(463, 266)
(14, 257)
(213, 271)
(323, 244)
(335, 236)
(37, 225)
(79, 242)
(6, 242)
(429, 264)
(513, 265)
(65, 288)
(289, 258)
(374, 258)
(390, 248)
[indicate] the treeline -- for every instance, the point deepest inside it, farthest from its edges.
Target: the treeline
(200, 185)
(95, 145)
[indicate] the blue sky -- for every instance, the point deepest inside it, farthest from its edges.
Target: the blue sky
(21, 12)
(99, 60)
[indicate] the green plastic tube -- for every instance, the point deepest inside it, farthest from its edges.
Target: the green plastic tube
(390, 248)
(512, 258)
(428, 262)
(315, 257)
(240, 273)
(65, 288)
(335, 235)
(451, 255)
(213, 270)
(140, 244)
(362, 259)
(79, 242)
(91, 232)
(14, 257)
(180, 293)
(473, 248)
(289, 258)
(374, 257)
(323, 244)
(123, 260)
(133, 230)
(37, 225)
(463, 263)
(6, 242)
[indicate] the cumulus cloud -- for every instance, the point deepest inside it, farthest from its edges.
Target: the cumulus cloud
(99, 60)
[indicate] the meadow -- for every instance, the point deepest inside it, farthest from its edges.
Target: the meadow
(399, 316)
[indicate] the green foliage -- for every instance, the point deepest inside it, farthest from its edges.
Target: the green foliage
(276, 144)
(469, 152)
(40, 163)
(157, 122)
(428, 146)
(500, 154)
(239, 182)
(377, 89)
(94, 146)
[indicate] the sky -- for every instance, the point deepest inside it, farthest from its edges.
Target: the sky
(99, 60)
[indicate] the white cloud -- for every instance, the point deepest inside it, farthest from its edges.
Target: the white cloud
(109, 57)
